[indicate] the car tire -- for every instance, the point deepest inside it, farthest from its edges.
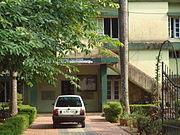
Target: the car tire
(83, 124)
(55, 125)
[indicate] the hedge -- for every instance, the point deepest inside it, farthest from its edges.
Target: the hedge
(15, 125)
(5, 106)
(31, 111)
(112, 111)
(142, 108)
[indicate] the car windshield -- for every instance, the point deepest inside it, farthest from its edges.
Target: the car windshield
(68, 102)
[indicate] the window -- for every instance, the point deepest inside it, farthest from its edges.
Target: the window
(172, 54)
(108, 26)
(174, 27)
(87, 82)
(113, 90)
(5, 90)
(68, 102)
(109, 90)
(116, 90)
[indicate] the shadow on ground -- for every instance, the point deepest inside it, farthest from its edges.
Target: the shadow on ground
(50, 126)
(98, 120)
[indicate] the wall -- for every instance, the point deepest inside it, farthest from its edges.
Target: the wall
(172, 65)
(46, 105)
(92, 104)
(146, 61)
(148, 21)
(138, 95)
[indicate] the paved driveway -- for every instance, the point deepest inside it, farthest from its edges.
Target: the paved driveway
(95, 125)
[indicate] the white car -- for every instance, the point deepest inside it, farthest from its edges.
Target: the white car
(69, 108)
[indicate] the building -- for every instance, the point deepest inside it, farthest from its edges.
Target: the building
(151, 22)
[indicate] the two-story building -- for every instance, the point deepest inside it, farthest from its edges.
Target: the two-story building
(151, 22)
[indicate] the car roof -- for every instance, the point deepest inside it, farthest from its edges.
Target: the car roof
(69, 96)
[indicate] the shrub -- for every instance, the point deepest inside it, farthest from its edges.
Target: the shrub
(4, 106)
(149, 125)
(15, 125)
(145, 109)
(19, 99)
(31, 111)
(112, 111)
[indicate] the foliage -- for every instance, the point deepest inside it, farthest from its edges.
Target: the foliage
(145, 109)
(112, 111)
(19, 99)
(15, 125)
(3, 106)
(31, 111)
(128, 119)
(32, 32)
(149, 125)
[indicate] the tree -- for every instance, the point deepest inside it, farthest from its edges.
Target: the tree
(32, 31)
(123, 23)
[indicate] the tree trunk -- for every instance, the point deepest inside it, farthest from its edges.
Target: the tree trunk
(123, 37)
(13, 100)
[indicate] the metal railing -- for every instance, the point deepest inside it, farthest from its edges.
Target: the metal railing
(170, 101)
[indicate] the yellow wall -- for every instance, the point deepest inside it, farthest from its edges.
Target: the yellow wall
(92, 104)
(148, 21)
(146, 60)
(46, 105)
(173, 65)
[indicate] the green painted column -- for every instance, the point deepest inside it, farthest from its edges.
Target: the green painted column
(33, 94)
(104, 83)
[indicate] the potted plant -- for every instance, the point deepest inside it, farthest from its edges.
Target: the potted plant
(124, 119)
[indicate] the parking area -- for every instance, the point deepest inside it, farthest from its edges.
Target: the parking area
(95, 125)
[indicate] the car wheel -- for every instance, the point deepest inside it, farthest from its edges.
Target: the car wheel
(55, 125)
(83, 124)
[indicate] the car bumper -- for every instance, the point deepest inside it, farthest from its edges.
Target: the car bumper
(58, 119)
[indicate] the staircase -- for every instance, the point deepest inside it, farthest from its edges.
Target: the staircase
(138, 77)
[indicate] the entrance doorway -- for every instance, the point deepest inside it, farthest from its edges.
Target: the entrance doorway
(67, 88)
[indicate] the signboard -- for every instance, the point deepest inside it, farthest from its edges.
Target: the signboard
(83, 60)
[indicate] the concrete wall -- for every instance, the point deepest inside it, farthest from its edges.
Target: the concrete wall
(46, 105)
(138, 95)
(148, 21)
(93, 104)
(172, 65)
(145, 60)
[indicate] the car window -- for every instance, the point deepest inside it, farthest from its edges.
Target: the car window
(68, 102)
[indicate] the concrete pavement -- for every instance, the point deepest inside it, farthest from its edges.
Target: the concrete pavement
(95, 125)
